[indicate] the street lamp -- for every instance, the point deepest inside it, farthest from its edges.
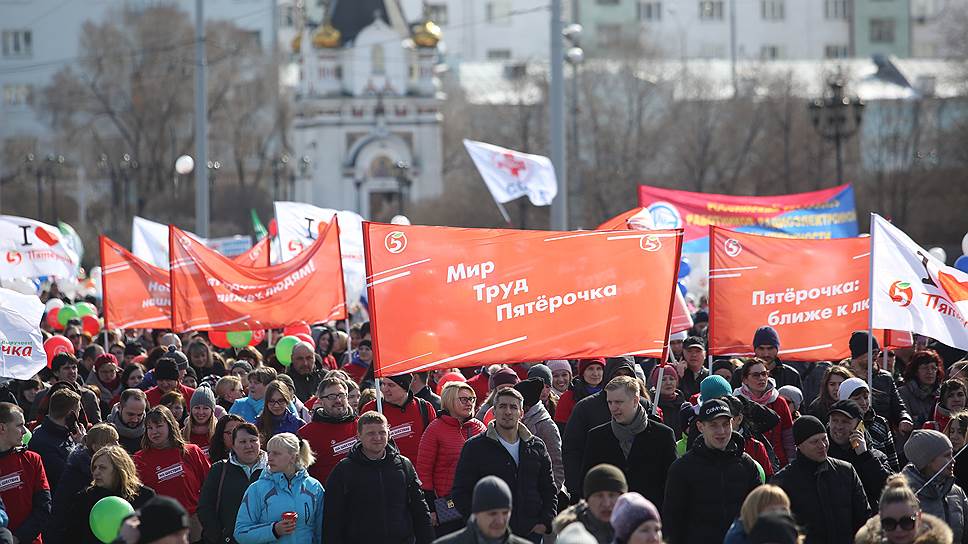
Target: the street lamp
(53, 162)
(32, 164)
(403, 183)
(575, 56)
(279, 166)
(836, 117)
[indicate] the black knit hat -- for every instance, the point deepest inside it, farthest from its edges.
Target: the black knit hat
(490, 493)
(805, 427)
(531, 390)
(604, 477)
(774, 528)
(166, 369)
(403, 380)
(180, 359)
(858, 343)
(160, 517)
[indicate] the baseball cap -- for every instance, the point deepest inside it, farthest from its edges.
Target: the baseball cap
(692, 341)
(847, 407)
(711, 409)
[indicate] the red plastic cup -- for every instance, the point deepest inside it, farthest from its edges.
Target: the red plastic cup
(290, 516)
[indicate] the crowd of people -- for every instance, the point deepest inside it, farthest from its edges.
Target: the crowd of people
(230, 445)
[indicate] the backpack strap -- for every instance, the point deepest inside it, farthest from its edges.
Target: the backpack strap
(424, 411)
(218, 494)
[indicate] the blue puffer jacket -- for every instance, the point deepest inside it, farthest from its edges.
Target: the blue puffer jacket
(249, 409)
(271, 496)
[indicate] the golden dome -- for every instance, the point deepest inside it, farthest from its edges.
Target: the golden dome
(427, 34)
(297, 43)
(326, 37)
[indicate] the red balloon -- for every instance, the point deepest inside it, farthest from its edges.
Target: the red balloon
(306, 338)
(56, 345)
(295, 329)
(219, 339)
(258, 336)
(52, 319)
(91, 325)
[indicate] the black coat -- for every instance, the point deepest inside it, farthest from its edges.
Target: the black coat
(78, 526)
(705, 490)
(872, 467)
(428, 395)
(647, 465)
(827, 499)
(217, 515)
(535, 497)
(375, 501)
(53, 443)
(75, 478)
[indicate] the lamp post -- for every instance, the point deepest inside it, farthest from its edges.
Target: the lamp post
(836, 117)
(575, 56)
(32, 164)
(279, 167)
(304, 167)
(53, 162)
(556, 129)
(403, 184)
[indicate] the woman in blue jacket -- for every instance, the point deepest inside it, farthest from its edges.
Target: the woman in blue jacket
(284, 488)
(276, 417)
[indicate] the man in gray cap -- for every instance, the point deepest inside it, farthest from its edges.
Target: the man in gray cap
(490, 516)
(930, 473)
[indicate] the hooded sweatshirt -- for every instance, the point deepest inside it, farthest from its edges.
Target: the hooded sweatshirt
(331, 439)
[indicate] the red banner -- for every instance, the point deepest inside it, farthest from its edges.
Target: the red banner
(257, 256)
(212, 292)
(442, 297)
(813, 292)
(135, 293)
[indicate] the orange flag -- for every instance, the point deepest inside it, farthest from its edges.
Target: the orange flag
(442, 297)
(212, 292)
(813, 292)
(135, 294)
(257, 256)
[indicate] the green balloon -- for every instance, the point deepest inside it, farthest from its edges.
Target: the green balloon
(107, 516)
(239, 339)
(66, 314)
(284, 349)
(85, 308)
(27, 437)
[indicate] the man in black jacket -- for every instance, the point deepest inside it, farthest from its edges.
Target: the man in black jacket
(509, 451)
(590, 412)
(225, 485)
(826, 495)
(766, 346)
(643, 449)
(707, 486)
(54, 439)
(421, 389)
(305, 371)
(374, 495)
(849, 443)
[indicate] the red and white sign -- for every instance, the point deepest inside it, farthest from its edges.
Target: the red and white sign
(444, 297)
(136, 293)
(31, 249)
(21, 343)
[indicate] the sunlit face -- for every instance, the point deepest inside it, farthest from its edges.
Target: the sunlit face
(815, 448)
(676, 347)
(280, 458)
(955, 400)
(560, 380)
(593, 374)
(374, 437)
(201, 414)
(464, 403)
(694, 356)
(649, 532)
(246, 447)
(956, 433)
(507, 412)
(303, 360)
(767, 353)
(621, 405)
(758, 378)
(927, 374)
(366, 354)
(107, 372)
(353, 397)
(103, 473)
(135, 378)
(67, 373)
(158, 434)
(334, 401)
(601, 503)
(833, 386)
(393, 393)
(12, 433)
(493, 523)
(941, 463)
(717, 432)
(257, 390)
(276, 403)
(904, 521)
(840, 428)
(670, 381)
(863, 399)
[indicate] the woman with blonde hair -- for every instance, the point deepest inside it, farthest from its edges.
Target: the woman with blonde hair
(113, 474)
(227, 390)
(200, 424)
(900, 520)
(285, 504)
(763, 499)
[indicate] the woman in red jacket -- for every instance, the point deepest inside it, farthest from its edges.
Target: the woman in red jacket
(440, 448)
(170, 466)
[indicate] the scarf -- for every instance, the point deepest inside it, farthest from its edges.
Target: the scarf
(625, 433)
(768, 396)
(123, 430)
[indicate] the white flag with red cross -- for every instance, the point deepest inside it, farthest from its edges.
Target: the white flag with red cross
(913, 291)
(511, 174)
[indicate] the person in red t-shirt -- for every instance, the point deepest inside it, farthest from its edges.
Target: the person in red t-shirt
(168, 379)
(408, 416)
(23, 482)
(332, 431)
(170, 466)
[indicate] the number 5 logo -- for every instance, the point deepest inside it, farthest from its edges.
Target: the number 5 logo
(395, 242)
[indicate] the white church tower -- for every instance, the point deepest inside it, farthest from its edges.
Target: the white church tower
(367, 121)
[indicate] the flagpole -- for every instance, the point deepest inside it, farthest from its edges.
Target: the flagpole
(504, 213)
(870, 310)
(658, 389)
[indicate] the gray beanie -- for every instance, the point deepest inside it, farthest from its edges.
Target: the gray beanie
(490, 493)
(793, 394)
(575, 533)
(541, 371)
(203, 396)
(926, 445)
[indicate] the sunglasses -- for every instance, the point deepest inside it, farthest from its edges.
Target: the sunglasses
(906, 523)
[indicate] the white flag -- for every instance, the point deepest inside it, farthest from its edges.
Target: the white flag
(511, 174)
(299, 224)
(914, 291)
(149, 241)
(21, 343)
(31, 249)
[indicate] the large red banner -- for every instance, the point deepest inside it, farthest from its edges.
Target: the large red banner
(212, 292)
(442, 297)
(813, 292)
(135, 293)
(258, 256)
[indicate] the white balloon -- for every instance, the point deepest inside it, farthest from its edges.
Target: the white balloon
(964, 245)
(400, 220)
(184, 164)
(53, 303)
(938, 253)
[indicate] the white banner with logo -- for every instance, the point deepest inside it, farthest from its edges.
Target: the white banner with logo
(511, 174)
(914, 291)
(31, 249)
(21, 343)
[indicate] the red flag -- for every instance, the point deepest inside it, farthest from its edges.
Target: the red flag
(442, 297)
(212, 292)
(257, 256)
(136, 294)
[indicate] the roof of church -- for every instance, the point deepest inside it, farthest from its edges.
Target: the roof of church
(352, 16)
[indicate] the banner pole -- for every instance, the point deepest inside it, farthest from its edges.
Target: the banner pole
(870, 311)
(379, 395)
(504, 213)
(658, 389)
